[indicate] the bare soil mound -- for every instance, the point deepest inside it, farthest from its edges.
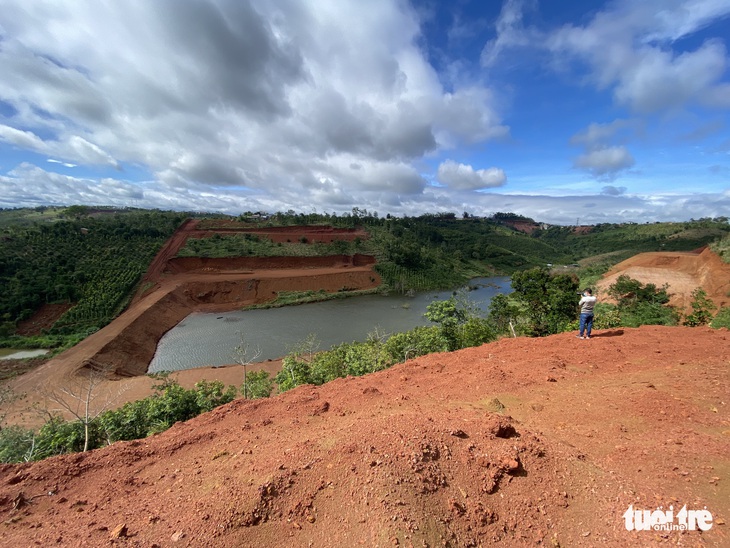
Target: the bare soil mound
(682, 271)
(43, 319)
(524, 441)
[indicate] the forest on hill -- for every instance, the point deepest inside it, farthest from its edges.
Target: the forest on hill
(92, 259)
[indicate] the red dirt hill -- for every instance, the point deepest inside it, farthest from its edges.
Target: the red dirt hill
(524, 441)
(682, 271)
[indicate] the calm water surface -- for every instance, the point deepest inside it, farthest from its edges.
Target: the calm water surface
(204, 339)
(16, 354)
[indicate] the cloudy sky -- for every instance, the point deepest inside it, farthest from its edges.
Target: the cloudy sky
(578, 111)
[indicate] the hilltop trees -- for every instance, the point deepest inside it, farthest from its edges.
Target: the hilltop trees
(549, 301)
(91, 262)
(642, 304)
(459, 323)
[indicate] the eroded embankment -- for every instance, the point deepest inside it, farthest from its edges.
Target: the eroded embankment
(128, 344)
(683, 272)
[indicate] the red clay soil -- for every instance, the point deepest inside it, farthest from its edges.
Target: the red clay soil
(43, 319)
(523, 226)
(521, 442)
(682, 271)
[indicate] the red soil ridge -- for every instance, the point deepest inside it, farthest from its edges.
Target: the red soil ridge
(682, 271)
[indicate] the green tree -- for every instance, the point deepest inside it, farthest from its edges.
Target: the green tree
(550, 300)
(82, 397)
(640, 304)
(419, 341)
(294, 372)
(259, 385)
(459, 322)
(504, 313)
(449, 315)
(212, 394)
(246, 355)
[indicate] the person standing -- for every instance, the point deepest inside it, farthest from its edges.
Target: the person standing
(586, 303)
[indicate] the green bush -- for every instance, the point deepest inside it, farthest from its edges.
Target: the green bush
(16, 444)
(607, 316)
(258, 385)
(475, 332)
(416, 342)
(722, 318)
(702, 309)
(644, 313)
(549, 301)
(212, 394)
(294, 372)
(367, 357)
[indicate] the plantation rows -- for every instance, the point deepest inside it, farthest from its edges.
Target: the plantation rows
(93, 262)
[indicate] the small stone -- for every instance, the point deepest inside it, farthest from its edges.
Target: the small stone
(177, 536)
(552, 379)
(120, 531)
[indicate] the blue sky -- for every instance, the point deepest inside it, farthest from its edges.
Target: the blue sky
(571, 111)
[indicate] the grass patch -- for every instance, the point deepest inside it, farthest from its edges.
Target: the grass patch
(287, 298)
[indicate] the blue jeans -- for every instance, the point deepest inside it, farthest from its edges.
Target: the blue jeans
(586, 324)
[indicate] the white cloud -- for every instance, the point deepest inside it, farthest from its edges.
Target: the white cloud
(603, 158)
(29, 186)
(70, 147)
(605, 162)
(64, 164)
(511, 31)
(271, 97)
(599, 134)
(628, 48)
(23, 139)
(465, 177)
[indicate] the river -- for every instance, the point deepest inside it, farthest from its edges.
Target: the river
(17, 354)
(204, 339)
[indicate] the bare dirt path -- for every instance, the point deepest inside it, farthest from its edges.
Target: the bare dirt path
(525, 442)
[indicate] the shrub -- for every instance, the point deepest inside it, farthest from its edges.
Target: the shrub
(209, 395)
(722, 319)
(475, 332)
(416, 342)
(702, 309)
(293, 373)
(16, 444)
(367, 357)
(549, 299)
(607, 316)
(644, 313)
(258, 385)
